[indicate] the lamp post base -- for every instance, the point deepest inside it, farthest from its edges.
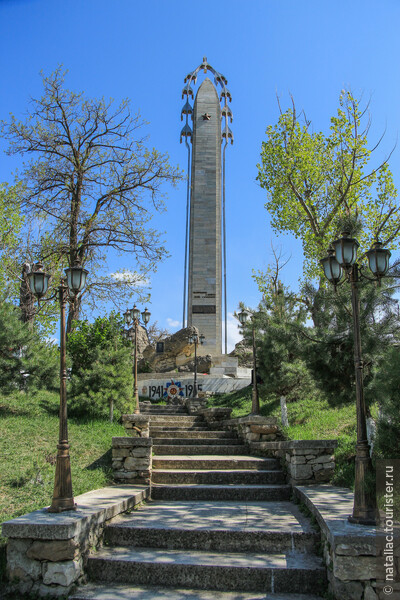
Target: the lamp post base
(361, 521)
(365, 511)
(61, 504)
(63, 498)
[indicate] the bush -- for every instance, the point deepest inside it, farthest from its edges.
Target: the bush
(386, 389)
(23, 352)
(101, 375)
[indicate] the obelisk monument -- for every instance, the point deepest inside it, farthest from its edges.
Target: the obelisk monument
(205, 271)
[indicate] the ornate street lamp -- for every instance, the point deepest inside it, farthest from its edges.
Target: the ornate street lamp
(133, 314)
(243, 317)
(344, 256)
(195, 339)
(63, 498)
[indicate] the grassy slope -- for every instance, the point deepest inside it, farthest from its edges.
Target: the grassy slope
(310, 419)
(28, 440)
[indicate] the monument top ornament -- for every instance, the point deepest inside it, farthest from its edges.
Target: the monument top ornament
(225, 95)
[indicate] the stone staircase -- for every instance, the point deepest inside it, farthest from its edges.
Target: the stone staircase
(220, 526)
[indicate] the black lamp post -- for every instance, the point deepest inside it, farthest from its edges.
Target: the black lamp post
(343, 256)
(243, 316)
(133, 314)
(63, 498)
(195, 339)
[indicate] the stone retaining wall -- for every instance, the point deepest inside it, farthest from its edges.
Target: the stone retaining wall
(306, 461)
(137, 425)
(47, 552)
(255, 428)
(355, 563)
(132, 459)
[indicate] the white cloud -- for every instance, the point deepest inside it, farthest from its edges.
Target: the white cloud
(233, 332)
(131, 277)
(173, 323)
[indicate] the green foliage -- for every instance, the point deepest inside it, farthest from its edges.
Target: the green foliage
(314, 181)
(386, 389)
(101, 374)
(10, 226)
(28, 446)
(22, 352)
(277, 324)
(87, 338)
(105, 385)
(328, 347)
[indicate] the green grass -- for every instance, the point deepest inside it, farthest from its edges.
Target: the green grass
(28, 446)
(310, 418)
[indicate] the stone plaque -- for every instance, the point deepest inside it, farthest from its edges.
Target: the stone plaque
(204, 309)
(160, 347)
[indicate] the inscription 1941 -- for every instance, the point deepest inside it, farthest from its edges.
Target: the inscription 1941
(204, 309)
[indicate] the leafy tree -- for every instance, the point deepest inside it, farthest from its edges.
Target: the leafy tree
(101, 373)
(315, 181)
(10, 226)
(91, 185)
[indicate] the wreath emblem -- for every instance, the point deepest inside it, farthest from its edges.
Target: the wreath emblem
(173, 389)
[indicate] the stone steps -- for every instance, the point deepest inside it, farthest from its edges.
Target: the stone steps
(277, 527)
(214, 477)
(162, 410)
(187, 441)
(214, 462)
(158, 429)
(278, 573)
(234, 448)
(128, 592)
(187, 433)
(177, 420)
(220, 526)
(238, 493)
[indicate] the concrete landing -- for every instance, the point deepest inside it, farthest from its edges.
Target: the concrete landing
(126, 592)
(232, 516)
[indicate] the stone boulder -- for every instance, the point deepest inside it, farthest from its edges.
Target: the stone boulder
(142, 339)
(244, 353)
(203, 365)
(177, 354)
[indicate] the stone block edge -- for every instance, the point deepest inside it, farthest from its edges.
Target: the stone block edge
(41, 525)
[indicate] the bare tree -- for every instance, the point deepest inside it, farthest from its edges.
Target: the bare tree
(91, 184)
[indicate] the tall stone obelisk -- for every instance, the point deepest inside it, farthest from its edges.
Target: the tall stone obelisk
(205, 273)
(205, 278)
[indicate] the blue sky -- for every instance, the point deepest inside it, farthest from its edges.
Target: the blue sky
(143, 50)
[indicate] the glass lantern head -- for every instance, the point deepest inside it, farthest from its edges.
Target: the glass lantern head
(135, 313)
(190, 339)
(76, 277)
(202, 338)
(345, 249)
(378, 259)
(128, 316)
(243, 316)
(146, 316)
(195, 338)
(38, 281)
(332, 269)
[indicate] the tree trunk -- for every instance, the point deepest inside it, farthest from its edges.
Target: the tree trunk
(111, 410)
(26, 298)
(73, 312)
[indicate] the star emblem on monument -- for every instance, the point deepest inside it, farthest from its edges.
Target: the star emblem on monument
(206, 117)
